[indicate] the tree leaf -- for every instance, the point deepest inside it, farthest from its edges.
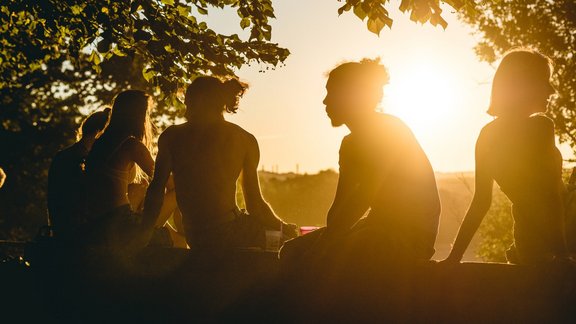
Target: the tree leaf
(359, 12)
(244, 23)
(405, 5)
(148, 74)
(202, 11)
(375, 25)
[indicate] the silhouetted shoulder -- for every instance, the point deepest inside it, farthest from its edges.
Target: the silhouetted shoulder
(487, 133)
(235, 128)
(393, 120)
(394, 123)
(133, 144)
(397, 129)
(241, 133)
(543, 125)
(169, 133)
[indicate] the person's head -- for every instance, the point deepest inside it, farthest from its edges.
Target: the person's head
(93, 125)
(521, 85)
(131, 116)
(208, 95)
(353, 89)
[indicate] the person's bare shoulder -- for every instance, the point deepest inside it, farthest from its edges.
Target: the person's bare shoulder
(133, 148)
(241, 133)
(490, 128)
(170, 133)
(395, 124)
(543, 124)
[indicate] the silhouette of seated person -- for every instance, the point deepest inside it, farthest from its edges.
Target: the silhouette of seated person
(518, 151)
(66, 179)
(206, 155)
(119, 157)
(384, 175)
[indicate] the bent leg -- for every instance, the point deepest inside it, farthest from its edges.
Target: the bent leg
(294, 250)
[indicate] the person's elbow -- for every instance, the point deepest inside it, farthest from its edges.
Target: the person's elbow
(255, 204)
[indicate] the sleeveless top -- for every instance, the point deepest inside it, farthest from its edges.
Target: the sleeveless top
(104, 178)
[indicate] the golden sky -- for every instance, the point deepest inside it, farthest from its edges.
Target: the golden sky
(437, 84)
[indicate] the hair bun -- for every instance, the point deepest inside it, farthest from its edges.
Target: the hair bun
(232, 90)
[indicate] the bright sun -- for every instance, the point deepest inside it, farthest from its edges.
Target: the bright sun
(423, 95)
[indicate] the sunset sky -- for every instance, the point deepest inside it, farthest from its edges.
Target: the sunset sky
(437, 84)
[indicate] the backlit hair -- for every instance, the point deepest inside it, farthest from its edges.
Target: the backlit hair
(509, 86)
(368, 74)
(214, 94)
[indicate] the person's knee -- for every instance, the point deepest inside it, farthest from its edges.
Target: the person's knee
(299, 245)
(289, 249)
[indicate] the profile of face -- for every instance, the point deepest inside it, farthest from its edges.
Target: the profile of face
(338, 102)
(347, 100)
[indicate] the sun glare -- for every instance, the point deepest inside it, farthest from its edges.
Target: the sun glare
(422, 95)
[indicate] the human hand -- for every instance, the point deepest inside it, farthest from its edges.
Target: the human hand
(289, 231)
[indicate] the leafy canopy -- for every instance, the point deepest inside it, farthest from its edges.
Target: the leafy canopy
(547, 26)
(172, 42)
(422, 11)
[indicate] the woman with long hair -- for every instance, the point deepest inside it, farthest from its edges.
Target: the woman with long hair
(118, 158)
(518, 151)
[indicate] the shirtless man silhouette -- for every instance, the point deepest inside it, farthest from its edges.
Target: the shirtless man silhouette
(206, 156)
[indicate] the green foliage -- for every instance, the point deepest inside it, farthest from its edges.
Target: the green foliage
(59, 58)
(422, 11)
(35, 121)
(548, 26)
(172, 43)
(496, 229)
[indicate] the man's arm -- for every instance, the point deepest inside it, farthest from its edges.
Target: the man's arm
(351, 202)
(155, 193)
(255, 203)
(354, 196)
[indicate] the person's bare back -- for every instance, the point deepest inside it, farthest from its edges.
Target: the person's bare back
(206, 156)
(206, 163)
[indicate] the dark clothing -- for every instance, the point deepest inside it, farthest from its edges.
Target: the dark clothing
(402, 223)
(241, 230)
(527, 165)
(406, 206)
(113, 229)
(67, 191)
